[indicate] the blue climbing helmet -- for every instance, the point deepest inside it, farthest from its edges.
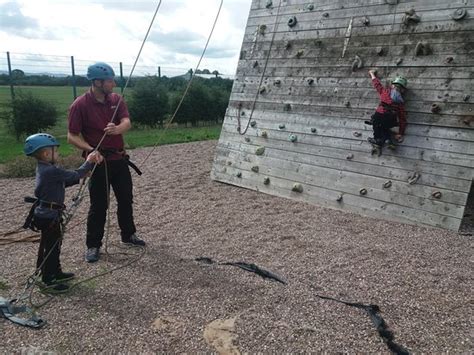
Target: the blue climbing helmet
(38, 141)
(100, 71)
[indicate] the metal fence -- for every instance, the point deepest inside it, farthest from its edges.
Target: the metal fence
(17, 67)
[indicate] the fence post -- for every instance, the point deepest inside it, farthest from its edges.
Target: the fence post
(12, 90)
(121, 78)
(74, 89)
(159, 72)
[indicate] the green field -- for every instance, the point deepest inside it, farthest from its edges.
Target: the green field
(63, 97)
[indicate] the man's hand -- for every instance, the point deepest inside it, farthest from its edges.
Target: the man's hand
(373, 73)
(95, 157)
(398, 138)
(111, 129)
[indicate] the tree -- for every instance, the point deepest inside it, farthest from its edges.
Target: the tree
(197, 105)
(149, 103)
(28, 114)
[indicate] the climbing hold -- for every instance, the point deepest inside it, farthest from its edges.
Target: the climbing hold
(326, 14)
(366, 21)
(239, 174)
(449, 60)
(436, 194)
(466, 98)
(335, 90)
(347, 103)
(253, 123)
(254, 168)
(310, 7)
(264, 134)
(247, 139)
(387, 184)
(318, 42)
(399, 61)
(339, 198)
(277, 82)
(313, 130)
(287, 107)
(363, 191)
(392, 2)
(310, 81)
(260, 150)
(261, 29)
(266, 180)
(357, 134)
(459, 14)
(422, 49)
(379, 50)
(411, 17)
(293, 138)
(297, 187)
(413, 178)
(287, 45)
(229, 163)
(350, 156)
(435, 108)
(242, 54)
(357, 63)
(269, 4)
(255, 64)
(262, 89)
(281, 126)
(242, 113)
(300, 53)
(292, 21)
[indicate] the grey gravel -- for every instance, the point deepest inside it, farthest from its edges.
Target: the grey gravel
(421, 278)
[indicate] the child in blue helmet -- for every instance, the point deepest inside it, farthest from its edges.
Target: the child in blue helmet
(51, 183)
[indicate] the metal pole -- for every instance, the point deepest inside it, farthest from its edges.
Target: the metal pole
(74, 89)
(12, 90)
(159, 72)
(121, 78)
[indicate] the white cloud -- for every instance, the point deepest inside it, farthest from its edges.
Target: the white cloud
(112, 30)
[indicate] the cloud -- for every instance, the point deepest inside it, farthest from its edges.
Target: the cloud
(13, 20)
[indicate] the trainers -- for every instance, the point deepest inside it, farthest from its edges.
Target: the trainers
(64, 276)
(134, 240)
(372, 141)
(92, 255)
(53, 286)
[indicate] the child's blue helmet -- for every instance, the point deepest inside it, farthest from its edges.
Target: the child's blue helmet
(100, 71)
(38, 141)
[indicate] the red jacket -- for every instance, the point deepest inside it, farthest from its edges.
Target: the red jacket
(386, 100)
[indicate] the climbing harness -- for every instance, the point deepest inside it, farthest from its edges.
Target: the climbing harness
(239, 126)
(168, 124)
(11, 312)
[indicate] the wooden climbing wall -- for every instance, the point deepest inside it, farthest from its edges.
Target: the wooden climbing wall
(295, 122)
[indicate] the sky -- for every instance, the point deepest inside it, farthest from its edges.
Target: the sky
(41, 35)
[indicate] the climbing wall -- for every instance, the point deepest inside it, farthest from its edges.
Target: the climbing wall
(295, 122)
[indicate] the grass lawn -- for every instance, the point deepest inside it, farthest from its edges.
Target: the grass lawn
(62, 97)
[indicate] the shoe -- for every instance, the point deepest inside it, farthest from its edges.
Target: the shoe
(134, 240)
(92, 255)
(64, 276)
(370, 123)
(372, 141)
(53, 286)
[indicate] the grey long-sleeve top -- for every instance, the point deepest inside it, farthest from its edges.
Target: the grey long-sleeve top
(51, 183)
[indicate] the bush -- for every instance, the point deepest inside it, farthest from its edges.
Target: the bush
(28, 114)
(198, 105)
(149, 103)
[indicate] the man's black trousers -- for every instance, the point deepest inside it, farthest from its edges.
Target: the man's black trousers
(121, 181)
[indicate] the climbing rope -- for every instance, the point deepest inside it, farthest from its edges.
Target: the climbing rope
(261, 77)
(168, 124)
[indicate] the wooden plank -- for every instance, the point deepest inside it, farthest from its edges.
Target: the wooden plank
(430, 94)
(341, 181)
(327, 198)
(418, 190)
(312, 145)
(438, 120)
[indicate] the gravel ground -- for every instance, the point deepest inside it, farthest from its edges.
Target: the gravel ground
(421, 278)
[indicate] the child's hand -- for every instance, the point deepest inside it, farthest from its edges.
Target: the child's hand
(398, 138)
(95, 157)
(372, 73)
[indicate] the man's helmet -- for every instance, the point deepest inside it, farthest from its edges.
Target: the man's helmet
(100, 71)
(400, 80)
(38, 141)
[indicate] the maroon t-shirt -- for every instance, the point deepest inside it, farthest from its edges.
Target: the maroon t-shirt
(89, 117)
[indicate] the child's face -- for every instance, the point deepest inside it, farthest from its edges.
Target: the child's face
(50, 154)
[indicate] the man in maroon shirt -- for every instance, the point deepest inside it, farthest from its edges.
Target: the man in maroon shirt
(97, 112)
(390, 112)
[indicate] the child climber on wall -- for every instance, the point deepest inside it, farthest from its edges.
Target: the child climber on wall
(390, 113)
(46, 212)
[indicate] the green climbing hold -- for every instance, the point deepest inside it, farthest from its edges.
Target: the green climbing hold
(260, 150)
(293, 138)
(239, 174)
(253, 123)
(281, 126)
(266, 180)
(254, 168)
(264, 134)
(297, 187)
